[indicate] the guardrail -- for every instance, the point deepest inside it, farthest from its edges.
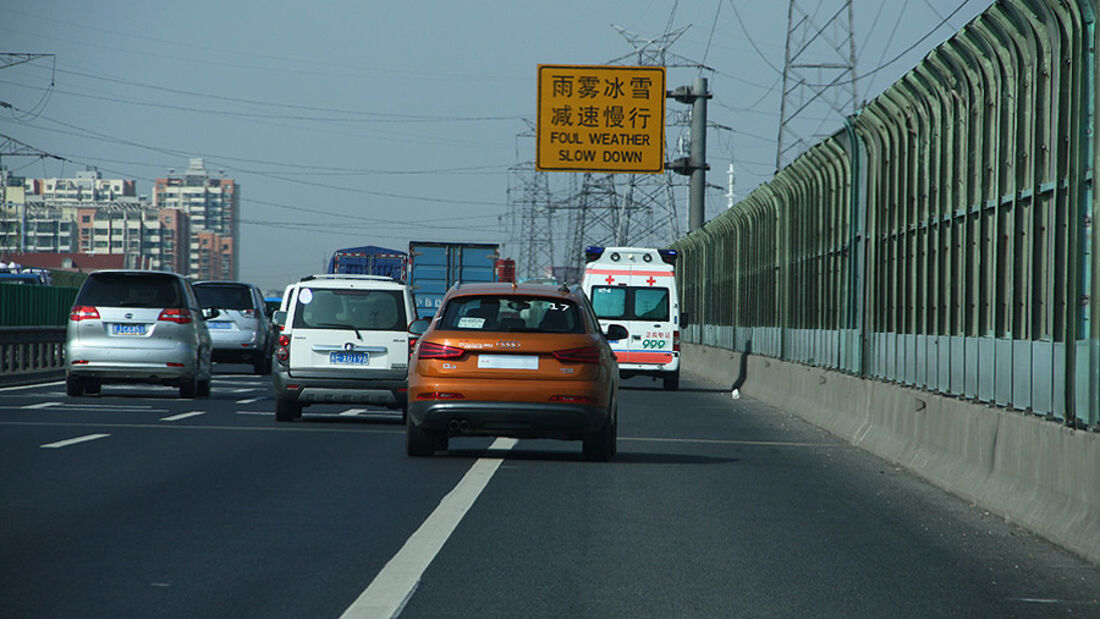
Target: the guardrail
(28, 352)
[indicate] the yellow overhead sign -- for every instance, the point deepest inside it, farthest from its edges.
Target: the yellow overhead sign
(601, 119)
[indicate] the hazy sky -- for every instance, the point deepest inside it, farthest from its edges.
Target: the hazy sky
(355, 123)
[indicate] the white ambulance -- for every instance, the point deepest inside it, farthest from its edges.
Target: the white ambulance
(636, 287)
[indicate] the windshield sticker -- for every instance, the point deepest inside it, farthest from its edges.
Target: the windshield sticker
(471, 322)
(305, 297)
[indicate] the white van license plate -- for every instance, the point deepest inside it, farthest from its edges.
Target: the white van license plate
(127, 329)
(349, 358)
(508, 362)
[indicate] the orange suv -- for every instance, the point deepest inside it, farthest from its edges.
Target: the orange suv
(518, 360)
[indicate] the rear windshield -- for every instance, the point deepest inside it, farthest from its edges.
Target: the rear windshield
(511, 313)
(630, 302)
(131, 290)
(224, 296)
(369, 310)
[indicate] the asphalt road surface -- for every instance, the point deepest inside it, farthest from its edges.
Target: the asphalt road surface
(137, 503)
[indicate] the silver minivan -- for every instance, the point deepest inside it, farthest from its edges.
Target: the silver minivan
(241, 332)
(137, 327)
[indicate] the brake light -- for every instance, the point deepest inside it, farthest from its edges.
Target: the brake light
(83, 312)
(440, 395)
(282, 354)
(284, 340)
(576, 399)
(431, 350)
(177, 315)
(412, 345)
(675, 341)
(586, 354)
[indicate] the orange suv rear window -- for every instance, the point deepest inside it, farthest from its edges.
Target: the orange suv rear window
(512, 313)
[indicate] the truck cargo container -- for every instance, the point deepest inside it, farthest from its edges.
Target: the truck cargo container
(369, 260)
(436, 266)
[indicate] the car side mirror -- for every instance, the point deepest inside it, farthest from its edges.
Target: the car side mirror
(419, 326)
(210, 312)
(279, 318)
(616, 332)
(683, 319)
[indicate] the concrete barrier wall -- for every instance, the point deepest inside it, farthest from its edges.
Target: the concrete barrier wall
(1039, 474)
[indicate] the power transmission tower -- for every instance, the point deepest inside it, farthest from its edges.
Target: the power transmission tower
(819, 74)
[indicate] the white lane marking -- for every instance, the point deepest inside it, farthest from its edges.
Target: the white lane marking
(394, 585)
(268, 413)
(248, 400)
(73, 441)
(41, 405)
(183, 416)
(710, 441)
(34, 386)
(351, 412)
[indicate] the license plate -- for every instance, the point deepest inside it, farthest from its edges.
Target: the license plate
(127, 329)
(219, 325)
(508, 362)
(349, 358)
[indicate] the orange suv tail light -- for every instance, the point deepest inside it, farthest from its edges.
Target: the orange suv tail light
(440, 395)
(177, 315)
(83, 312)
(431, 350)
(586, 354)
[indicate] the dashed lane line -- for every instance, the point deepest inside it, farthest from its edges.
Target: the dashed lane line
(34, 386)
(73, 441)
(40, 405)
(183, 416)
(302, 428)
(352, 412)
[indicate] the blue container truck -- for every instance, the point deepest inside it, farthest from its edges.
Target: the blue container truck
(369, 260)
(435, 266)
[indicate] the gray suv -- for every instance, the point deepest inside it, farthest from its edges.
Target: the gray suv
(137, 327)
(241, 332)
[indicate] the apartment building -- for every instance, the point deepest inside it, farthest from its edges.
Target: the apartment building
(213, 204)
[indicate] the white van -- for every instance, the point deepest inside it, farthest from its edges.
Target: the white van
(636, 287)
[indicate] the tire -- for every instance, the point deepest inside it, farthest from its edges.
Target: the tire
(189, 388)
(601, 445)
(672, 381)
(203, 389)
(74, 386)
(261, 364)
(418, 441)
(92, 387)
(286, 410)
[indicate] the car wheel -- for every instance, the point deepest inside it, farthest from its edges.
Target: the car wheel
(188, 389)
(203, 389)
(286, 410)
(259, 364)
(672, 381)
(418, 441)
(91, 387)
(600, 446)
(74, 386)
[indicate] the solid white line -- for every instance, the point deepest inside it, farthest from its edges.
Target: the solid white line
(59, 382)
(41, 405)
(392, 587)
(351, 412)
(248, 401)
(73, 441)
(183, 416)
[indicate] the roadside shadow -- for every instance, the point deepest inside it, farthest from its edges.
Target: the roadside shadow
(622, 457)
(743, 370)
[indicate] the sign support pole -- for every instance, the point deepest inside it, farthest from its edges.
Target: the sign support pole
(697, 198)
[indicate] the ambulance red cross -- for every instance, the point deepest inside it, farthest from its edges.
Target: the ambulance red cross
(636, 287)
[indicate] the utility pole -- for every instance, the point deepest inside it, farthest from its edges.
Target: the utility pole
(696, 165)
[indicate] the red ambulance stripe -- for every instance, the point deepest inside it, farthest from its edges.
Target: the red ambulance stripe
(643, 357)
(638, 273)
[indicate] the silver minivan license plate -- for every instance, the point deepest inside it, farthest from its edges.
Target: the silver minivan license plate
(127, 329)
